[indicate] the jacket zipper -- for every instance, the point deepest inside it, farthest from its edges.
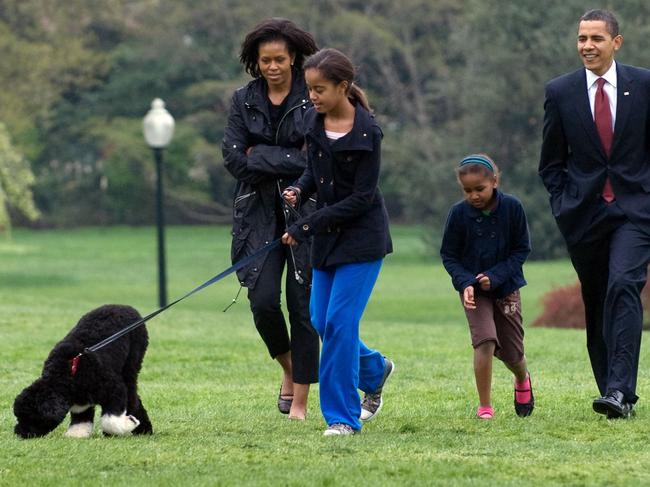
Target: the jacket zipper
(277, 131)
(244, 196)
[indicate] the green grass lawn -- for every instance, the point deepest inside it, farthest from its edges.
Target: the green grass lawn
(210, 387)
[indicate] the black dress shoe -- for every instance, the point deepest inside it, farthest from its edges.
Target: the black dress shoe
(613, 405)
(627, 414)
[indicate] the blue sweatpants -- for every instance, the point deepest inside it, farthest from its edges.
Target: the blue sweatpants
(338, 298)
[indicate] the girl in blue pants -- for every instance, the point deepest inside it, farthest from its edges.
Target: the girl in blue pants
(350, 237)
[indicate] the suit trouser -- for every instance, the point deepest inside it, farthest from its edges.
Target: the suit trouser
(265, 301)
(338, 300)
(611, 263)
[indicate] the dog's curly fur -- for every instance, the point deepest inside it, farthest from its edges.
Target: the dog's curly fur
(107, 377)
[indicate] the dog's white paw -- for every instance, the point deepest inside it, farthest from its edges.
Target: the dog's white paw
(119, 425)
(80, 430)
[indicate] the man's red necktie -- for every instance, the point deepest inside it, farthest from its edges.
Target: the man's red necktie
(603, 119)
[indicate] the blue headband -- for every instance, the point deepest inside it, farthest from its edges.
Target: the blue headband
(477, 159)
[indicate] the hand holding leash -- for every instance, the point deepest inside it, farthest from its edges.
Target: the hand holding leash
(291, 195)
(287, 239)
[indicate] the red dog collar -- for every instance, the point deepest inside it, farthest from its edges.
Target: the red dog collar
(74, 364)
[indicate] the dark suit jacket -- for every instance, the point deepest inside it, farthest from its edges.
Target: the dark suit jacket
(573, 164)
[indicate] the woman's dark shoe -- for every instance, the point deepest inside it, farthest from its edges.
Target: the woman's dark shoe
(284, 402)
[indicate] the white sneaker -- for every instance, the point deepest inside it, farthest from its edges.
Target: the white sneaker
(372, 403)
(339, 429)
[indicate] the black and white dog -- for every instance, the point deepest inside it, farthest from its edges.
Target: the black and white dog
(107, 377)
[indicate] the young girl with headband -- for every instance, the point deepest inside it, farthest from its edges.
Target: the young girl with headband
(484, 246)
(350, 238)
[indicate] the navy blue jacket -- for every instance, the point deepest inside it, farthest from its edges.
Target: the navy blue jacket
(350, 223)
(573, 164)
(496, 245)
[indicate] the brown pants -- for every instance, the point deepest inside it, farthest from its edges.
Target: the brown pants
(498, 320)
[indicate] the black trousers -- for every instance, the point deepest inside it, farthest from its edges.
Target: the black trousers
(611, 263)
(265, 301)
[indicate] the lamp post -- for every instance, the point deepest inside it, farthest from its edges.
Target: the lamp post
(158, 128)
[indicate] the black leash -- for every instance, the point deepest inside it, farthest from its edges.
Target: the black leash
(238, 265)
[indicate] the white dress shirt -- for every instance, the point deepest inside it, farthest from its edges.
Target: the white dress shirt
(609, 87)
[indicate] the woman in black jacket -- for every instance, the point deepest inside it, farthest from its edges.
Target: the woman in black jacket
(263, 149)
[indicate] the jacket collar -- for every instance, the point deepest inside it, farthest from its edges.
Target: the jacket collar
(359, 138)
(257, 93)
(475, 212)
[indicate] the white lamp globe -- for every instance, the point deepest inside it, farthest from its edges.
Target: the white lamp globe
(158, 125)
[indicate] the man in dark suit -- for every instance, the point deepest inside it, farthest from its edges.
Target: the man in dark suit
(595, 163)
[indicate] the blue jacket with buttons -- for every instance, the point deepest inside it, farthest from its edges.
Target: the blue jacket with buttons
(350, 223)
(496, 245)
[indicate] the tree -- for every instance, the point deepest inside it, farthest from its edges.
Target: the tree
(445, 77)
(16, 179)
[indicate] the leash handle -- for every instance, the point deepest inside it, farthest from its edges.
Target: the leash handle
(236, 266)
(234, 299)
